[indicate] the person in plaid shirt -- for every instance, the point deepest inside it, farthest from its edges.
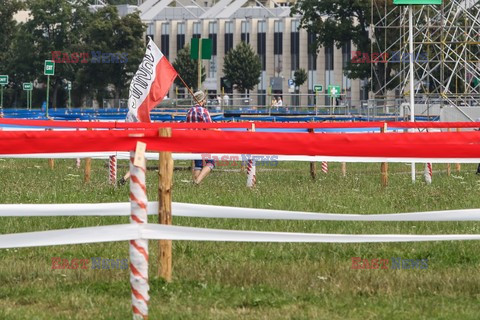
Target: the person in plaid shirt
(198, 113)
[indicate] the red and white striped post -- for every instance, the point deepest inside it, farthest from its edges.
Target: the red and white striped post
(251, 168)
(427, 174)
(251, 176)
(325, 167)
(112, 169)
(138, 249)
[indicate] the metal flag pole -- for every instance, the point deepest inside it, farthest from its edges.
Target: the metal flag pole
(412, 86)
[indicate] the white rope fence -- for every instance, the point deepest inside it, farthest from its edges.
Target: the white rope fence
(225, 212)
(125, 232)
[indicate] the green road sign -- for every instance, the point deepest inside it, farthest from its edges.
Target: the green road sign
(318, 88)
(414, 2)
(3, 80)
(206, 49)
(28, 86)
(49, 68)
(334, 91)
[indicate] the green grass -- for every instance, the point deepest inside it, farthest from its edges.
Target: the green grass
(214, 280)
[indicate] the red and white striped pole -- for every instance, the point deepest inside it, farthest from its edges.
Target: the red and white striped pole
(251, 176)
(324, 166)
(112, 169)
(428, 173)
(251, 168)
(138, 249)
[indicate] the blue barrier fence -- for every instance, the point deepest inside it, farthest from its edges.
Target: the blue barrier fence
(179, 115)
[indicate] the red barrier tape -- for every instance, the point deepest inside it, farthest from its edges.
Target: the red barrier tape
(245, 125)
(395, 145)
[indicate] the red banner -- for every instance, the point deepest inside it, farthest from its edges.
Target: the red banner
(245, 125)
(395, 145)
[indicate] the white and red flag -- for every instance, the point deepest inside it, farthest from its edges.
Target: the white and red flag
(150, 84)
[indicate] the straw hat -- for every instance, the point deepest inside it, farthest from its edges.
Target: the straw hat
(199, 96)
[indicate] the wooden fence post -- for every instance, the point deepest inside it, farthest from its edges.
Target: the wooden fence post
(313, 164)
(87, 169)
(165, 172)
(51, 162)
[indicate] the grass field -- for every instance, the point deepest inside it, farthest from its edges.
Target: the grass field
(250, 280)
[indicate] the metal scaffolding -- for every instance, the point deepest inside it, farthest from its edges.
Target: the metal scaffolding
(446, 53)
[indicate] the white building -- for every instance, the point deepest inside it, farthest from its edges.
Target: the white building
(267, 27)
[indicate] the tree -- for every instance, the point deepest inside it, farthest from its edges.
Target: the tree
(242, 67)
(121, 40)
(54, 25)
(347, 20)
(299, 77)
(8, 28)
(187, 68)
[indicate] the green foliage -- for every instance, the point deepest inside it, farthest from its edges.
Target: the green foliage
(242, 67)
(107, 32)
(299, 77)
(187, 68)
(8, 28)
(70, 27)
(348, 20)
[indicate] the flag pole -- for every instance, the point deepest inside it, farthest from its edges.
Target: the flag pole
(188, 88)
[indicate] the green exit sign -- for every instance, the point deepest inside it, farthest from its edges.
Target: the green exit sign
(318, 88)
(3, 80)
(28, 86)
(417, 2)
(49, 68)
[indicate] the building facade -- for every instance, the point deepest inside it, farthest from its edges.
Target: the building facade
(282, 47)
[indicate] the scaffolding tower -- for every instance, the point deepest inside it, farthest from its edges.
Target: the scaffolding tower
(446, 53)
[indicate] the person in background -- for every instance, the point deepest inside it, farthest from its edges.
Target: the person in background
(226, 100)
(279, 102)
(198, 113)
(274, 102)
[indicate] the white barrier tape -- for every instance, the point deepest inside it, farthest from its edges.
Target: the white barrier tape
(125, 232)
(198, 156)
(121, 232)
(209, 211)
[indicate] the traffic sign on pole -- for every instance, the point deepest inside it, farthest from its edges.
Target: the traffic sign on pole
(334, 91)
(28, 86)
(3, 80)
(318, 88)
(49, 69)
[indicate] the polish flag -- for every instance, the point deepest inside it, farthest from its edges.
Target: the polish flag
(150, 84)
